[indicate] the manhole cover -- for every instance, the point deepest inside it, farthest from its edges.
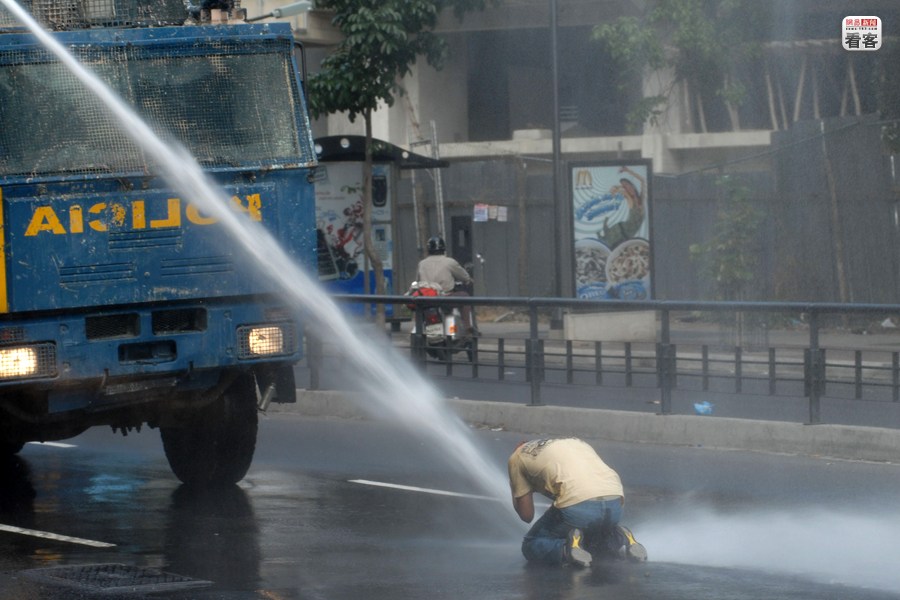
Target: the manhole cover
(114, 579)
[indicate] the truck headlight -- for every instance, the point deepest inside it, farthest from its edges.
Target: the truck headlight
(256, 341)
(37, 360)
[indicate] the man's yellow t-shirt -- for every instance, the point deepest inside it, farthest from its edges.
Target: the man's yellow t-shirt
(566, 470)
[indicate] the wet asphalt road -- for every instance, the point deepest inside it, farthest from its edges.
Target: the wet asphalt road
(716, 524)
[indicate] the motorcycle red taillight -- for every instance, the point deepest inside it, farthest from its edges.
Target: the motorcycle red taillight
(431, 317)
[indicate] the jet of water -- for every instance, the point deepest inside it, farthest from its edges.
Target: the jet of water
(386, 375)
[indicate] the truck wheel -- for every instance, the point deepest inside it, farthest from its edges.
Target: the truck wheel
(215, 446)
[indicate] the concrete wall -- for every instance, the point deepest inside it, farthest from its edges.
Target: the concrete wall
(833, 441)
(797, 260)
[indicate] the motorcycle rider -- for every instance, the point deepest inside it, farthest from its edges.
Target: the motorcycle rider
(439, 269)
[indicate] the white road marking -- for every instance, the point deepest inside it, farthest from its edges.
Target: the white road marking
(54, 536)
(54, 444)
(410, 488)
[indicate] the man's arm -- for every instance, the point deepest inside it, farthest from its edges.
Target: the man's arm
(459, 273)
(524, 506)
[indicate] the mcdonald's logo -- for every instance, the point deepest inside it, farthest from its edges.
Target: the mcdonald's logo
(583, 179)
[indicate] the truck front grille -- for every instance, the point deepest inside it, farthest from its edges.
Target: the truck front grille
(112, 326)
(179, 320)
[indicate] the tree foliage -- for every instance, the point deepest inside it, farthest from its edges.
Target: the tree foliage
(730, 259)
(706, 43)
(382, 40)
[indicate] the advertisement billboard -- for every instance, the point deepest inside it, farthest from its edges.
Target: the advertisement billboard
(339, 224)
(611, 225)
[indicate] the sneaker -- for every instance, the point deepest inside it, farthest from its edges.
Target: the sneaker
(632, 549)
(573, 551)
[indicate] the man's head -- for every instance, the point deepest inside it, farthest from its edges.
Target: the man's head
(436, 245)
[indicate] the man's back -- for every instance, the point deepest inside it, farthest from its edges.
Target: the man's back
(567, 470)
(441, 270)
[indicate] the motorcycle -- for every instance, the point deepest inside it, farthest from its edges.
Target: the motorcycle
(444, 327)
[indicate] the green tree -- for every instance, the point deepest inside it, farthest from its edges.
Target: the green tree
(730, 259)
(707, 44)
(382, 39)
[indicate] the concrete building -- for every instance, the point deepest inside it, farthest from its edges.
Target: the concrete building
(495, 95)
(493, 103)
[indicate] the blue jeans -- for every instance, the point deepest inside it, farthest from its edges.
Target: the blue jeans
(546, 539)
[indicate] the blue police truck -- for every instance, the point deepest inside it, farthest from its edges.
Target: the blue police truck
(120, 305)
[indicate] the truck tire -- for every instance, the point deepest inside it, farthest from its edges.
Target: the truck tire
(216, 445)
(8, 448)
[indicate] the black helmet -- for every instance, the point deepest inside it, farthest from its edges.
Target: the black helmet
(436, 245)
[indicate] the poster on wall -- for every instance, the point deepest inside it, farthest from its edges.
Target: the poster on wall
(610, 208)
(339, 224)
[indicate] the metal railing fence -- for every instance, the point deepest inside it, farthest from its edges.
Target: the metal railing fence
(761, 348)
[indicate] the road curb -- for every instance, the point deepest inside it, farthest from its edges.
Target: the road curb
(835, 441)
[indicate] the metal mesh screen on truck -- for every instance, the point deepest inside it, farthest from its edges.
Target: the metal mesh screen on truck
(65, 15)
(230, 104)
